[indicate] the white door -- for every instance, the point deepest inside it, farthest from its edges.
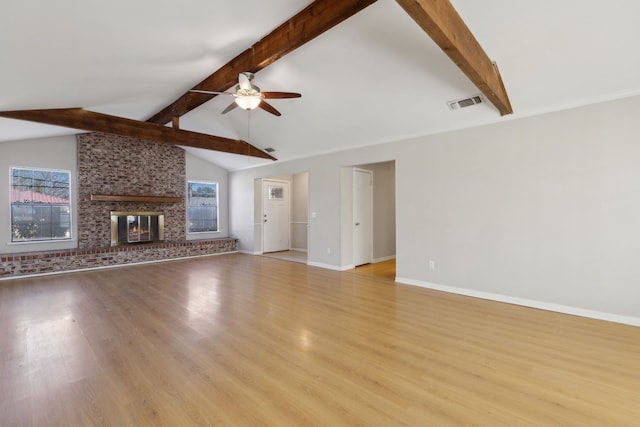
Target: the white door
(362, 216)
(275, 216)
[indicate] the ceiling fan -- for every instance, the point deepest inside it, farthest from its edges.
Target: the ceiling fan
(249, 96)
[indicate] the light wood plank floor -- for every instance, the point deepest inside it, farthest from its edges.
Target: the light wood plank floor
(238, 340)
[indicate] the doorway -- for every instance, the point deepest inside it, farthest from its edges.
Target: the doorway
(275, 215)
(355, 193)
(286, 208)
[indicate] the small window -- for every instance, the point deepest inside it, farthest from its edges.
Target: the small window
(40, 205)
(276, 192)
(202, 207)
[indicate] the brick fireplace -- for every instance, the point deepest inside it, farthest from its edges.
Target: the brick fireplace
(122, 175)
(115, 165)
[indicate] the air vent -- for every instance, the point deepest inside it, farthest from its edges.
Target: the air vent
(269, 149)
(463, 103)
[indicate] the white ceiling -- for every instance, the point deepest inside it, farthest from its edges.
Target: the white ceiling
(376, 77)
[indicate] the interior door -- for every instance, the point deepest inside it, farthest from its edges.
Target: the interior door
(362, 216)
(275, 216)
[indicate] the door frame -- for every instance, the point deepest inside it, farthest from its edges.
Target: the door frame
(356, 170)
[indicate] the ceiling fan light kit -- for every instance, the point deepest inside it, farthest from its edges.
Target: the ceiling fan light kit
(249, 97)
(248, 102)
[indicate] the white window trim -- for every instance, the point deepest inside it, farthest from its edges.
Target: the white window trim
(9, 224)
(217, 184)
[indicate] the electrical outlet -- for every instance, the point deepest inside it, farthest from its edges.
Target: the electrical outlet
(432, 264)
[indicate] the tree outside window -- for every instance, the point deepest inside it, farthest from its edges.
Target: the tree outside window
(202, 207)
(40, 205)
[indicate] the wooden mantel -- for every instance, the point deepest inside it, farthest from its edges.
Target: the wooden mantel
(132, 198)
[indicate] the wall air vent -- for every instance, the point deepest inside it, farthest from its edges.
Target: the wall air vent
(463, 103)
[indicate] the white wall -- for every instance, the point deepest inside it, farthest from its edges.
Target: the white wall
(198, 169)
(48, 153)
(542, 210)
(299, 211)
(346, 218)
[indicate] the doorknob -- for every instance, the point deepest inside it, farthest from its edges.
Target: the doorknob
(357, 223)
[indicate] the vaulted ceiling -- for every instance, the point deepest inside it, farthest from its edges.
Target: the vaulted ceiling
(376, 77)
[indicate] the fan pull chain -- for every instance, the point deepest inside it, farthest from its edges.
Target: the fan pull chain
(249, 137)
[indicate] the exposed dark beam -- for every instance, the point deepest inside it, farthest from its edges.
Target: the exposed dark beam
(78, 118)
(440, 20)
(313, 20)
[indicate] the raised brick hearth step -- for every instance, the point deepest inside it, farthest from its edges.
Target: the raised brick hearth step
(16, 265)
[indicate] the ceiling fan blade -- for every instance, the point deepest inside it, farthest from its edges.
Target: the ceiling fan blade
(281, 95)
(269, 108)
(230, 107)
(209, 92)
(244, 81)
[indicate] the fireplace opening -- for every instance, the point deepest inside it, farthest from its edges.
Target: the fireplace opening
(136, 227)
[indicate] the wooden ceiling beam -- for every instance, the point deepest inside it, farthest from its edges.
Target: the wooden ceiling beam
(313, 20)
(77, 118)
(440, 20)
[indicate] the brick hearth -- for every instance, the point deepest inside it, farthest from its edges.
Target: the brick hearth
(79, 259)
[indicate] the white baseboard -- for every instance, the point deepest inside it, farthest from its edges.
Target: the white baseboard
(559, 308)
(384, 258)
(298, 249)
(344, 267)
(330, 266)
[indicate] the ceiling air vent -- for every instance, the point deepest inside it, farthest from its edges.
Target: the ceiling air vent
(463, 103)
(269, 149)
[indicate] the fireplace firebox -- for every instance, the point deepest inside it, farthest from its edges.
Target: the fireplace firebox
(136, 227)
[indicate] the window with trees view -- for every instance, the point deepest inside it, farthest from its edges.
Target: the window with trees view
(202, 207)
(40, 205)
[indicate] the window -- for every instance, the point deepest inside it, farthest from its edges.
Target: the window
(202, 207)
(276, 192)
(40, 205)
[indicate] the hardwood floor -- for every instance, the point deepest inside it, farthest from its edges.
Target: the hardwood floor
(238, 340)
